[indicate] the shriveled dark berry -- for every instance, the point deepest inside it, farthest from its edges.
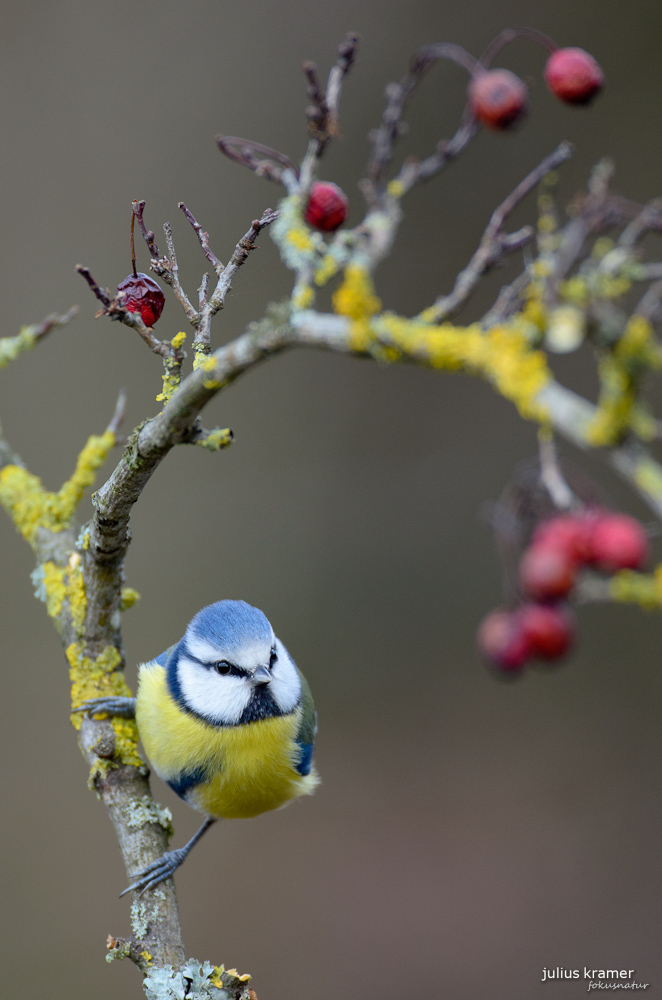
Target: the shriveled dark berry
(140, 293)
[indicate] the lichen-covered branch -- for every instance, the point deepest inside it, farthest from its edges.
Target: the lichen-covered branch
(574, 289)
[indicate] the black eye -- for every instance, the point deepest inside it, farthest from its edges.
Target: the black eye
(274, 657)
(223, 667)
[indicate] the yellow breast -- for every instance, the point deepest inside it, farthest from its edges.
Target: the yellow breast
(249, 769)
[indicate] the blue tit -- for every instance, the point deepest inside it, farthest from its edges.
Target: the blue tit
(226, 719)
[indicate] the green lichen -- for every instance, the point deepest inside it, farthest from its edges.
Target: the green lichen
(11, 347)
(119, 951)
(146, 810)
(299, 246)
(195, 981)
(140, 916)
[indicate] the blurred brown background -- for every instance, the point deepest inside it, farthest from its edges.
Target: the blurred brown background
(467, 833)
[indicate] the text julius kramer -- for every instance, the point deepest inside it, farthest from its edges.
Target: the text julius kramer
(614, 979)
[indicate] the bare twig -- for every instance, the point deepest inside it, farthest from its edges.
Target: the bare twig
(119, 414)
(173, 279)
(494, 245)
(102, 294)
(649, 304)
(203, 238)
(650, 217)
(52, 320)
(148, 235)
(203, 291)
(551, 476)
(239, 257)
(397, 95)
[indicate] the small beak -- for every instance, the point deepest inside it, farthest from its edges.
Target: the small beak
(261, 676)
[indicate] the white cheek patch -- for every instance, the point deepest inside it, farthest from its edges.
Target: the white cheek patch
(285, 684)
(221, 699)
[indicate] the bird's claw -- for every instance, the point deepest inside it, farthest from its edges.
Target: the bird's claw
(156, 872)
(111, 705)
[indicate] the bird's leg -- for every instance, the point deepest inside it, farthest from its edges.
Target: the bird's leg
(124, 707)
(164, 866)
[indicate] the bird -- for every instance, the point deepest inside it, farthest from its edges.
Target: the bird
(227, 720)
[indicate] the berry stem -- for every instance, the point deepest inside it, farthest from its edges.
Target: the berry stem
(510, 35)
(441, 50)
(133, 245)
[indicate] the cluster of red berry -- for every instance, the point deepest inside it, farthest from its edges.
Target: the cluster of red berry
(498, 98)
(543, 626)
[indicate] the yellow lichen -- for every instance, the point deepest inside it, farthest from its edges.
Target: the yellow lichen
(128, 598)
(55, 588)
(303, 296)
(217, 439)
(32, 507)
(300, 239)
(200, 356)
(76, 593)
(99, 678)
(395, 188)
(621, 369)
(644, 589)
(54, 584)
(502, 355)
(327, 268)
(602, 246)
(178, 340)
(575, 291)
(356, 299)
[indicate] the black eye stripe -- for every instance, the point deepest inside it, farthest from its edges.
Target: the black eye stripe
(227, 669)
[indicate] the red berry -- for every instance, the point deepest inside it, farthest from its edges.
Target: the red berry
(498, 98)
(501, 641)
(140, 293)
(327, 206)
(546, 574)
(549, 629)
(569, 534)
(574, 76)
(618, 542)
